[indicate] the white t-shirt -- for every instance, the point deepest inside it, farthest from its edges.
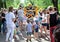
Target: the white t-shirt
(44, 17)
(21, 13)
(9, 16)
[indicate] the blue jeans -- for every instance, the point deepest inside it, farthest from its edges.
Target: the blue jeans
(4, 27)
(0, 26)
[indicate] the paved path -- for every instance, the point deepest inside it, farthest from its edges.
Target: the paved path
(2, 39)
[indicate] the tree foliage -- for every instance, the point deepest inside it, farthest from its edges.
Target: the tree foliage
(13, 3)
(39, 3)
(2, 4)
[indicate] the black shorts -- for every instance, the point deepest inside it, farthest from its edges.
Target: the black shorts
(29, 33)
(36, 30)
(45, 24)
(17, 26)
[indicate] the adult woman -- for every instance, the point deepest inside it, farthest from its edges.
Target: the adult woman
(44, 21)
(10, 18)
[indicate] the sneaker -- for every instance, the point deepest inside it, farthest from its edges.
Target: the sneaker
(20, 34)
(30, 40)
(26, 40)
(13, 40)
(9, 39)
(6, 41)
(17, 37)
(22, 37)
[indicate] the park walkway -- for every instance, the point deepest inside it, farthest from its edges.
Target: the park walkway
(2, 39)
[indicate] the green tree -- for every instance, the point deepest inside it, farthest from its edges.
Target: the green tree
(13, 3)
(3, 4)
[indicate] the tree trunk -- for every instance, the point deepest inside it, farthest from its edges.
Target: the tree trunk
(2, 4)
(5, 5)
(55, 4)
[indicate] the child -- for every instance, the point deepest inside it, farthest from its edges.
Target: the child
(29, 30)
(36, 26)
(17, 31)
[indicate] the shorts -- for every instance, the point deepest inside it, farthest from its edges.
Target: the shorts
(21, 19)
(17, 25)
(36, 21)
(36, 30)
(45, 24)
(18, 32)
(29, 33)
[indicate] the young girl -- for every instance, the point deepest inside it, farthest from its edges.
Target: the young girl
(44, 22)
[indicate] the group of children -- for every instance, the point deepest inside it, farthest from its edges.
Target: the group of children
(39, 22)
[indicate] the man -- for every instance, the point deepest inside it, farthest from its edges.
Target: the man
(10, 18)
(0, 22)
(53, 22)
(3, 21)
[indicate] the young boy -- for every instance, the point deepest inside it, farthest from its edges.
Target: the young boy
(17, 31)
(29, 30)
(36, 26)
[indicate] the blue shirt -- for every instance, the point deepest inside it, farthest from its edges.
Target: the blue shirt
(29, 27)
(36, 26)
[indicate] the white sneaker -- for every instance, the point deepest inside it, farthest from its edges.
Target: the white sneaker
(22, 37)
(6, 41)
(13, 40)
(9, 39)
(17, 37)
(20, 34)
